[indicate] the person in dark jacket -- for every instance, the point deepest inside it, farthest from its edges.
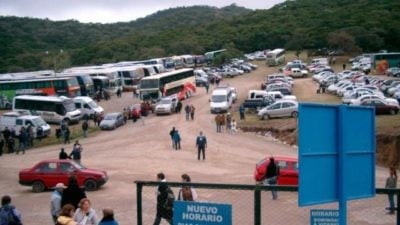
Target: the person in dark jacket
(108, 217)
(73, 193)
(271, 176)
(177, 140)
(162, 195)
(6, 209)
(1, 145)
(63, 154)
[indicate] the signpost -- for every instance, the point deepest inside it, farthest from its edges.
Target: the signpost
(197, 213)
(336, 155)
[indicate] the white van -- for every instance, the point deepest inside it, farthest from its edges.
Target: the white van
(14, 121)
(51, 109)
(320, 61)
(221, 100)
(276, 95)
(87, 106)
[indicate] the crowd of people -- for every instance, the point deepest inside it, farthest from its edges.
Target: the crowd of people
(9, 138)
(225, 121)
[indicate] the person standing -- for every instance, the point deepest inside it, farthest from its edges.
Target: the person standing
(1, 145)
(177, 140)
(233, 125)
(85, 127)
(85, 214)
(6, 134)
(76, 152)
(228, 122)
(10, 144)
(171, 134)
(241, 112)
(344, 66)
(187, 112)
(178, 107)
(162, 196)
(67, 133)
(201, 144)
(108, 217)
(218, 122)
(391, 182)
(222, 121)
(73, 193)
(119, 93)
(207, 86)
(192, 109)
(63, 154)
(187, 193)
(8, 213)
(55, 202)
(271, 176)
(21, 141)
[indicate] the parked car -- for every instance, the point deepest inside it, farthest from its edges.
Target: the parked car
(381, 107)
(166, 105)
(46, 174)
(282, 108)
(135, 111)
(361, 99)
(256, 104)
(392, 71)
(112, 120)
(288, 170)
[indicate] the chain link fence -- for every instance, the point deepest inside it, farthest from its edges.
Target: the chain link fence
(253, 204)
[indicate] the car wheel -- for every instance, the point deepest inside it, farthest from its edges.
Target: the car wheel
(392, 112)
(294, 114)
(90, 185)
(38, 186)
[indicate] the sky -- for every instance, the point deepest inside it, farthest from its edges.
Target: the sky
(110, 11)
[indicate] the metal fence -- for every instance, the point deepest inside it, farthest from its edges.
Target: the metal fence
(253, 204)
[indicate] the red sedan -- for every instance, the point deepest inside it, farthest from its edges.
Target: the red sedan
(288, 170)
(135, 112)
(46, 174)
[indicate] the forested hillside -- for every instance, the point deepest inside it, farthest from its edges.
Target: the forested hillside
(349, 25)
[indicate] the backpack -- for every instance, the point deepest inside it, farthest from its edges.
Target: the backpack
(169, 201)
(7, 217)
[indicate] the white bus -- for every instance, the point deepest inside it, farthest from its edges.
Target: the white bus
(275, 57)
(188, 61)
(180, 82)
(94, 71)
(51, 109)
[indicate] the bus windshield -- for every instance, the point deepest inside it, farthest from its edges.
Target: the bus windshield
(149, 83)
(69, 105)
(72, 82)
(148, 95)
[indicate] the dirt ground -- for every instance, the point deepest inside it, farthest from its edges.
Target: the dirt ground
(139, 152)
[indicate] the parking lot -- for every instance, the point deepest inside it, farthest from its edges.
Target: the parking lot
(138, 152)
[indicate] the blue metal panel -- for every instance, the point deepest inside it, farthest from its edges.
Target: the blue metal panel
(201, 213)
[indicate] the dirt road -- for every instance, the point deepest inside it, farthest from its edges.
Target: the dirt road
(139, 152)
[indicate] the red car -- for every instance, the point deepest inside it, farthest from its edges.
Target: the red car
(46, 174)
(288, 170)
(135, 111)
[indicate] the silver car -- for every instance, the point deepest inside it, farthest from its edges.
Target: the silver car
(282, 108)
(166, 105)
(112, 120)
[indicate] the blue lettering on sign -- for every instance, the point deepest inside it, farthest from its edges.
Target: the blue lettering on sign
(324, 217)
(197, 213)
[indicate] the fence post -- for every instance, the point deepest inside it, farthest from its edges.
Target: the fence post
(139, 189)
(257, 206)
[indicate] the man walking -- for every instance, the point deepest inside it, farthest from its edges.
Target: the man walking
(171, 134)
(55, 203)
(241, 112)
(201, 144)
(85, 127)
(162, 196)
(187, 112)
(271, 176)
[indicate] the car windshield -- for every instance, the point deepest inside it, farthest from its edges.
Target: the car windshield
(92, 104)
(110, 117)
(218, 98)
(69, 105)
(78, 165)
(38, 122)
(165, 101)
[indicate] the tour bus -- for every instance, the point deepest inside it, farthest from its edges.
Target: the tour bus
(180, 82)
(94, 71)
(275, 57)
(199, 60)
(100, 83)
(84, 80)
(51, 108)
(209, 56)
(380, 62)
(188, 61)
(178, 62)
(130, 76)
(44, 86)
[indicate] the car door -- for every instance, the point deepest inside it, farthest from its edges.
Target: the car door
(47, 172)
(275, 110)
(287, 109)
(380, 107)
(66, 169)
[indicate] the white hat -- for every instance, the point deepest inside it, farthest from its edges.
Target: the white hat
(59, 186)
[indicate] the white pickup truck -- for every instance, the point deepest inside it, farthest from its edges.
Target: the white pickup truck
(14, 121)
